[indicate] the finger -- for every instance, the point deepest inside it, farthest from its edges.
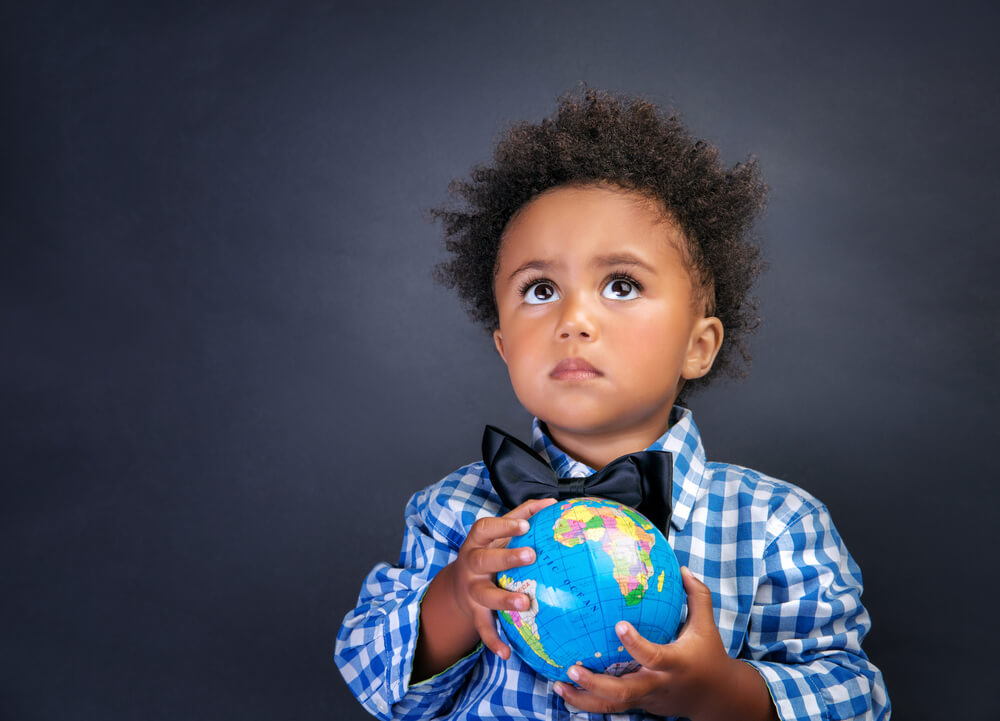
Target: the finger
(487, 630)
(598, 692)
(584, 700)
(487, 530)
(488, 595)
(488, 561)
(530, 508)
(651, 655)
(699, 601)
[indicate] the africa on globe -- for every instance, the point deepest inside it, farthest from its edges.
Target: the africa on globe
(597, 562)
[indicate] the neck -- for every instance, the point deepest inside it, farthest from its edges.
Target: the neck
(598, 448)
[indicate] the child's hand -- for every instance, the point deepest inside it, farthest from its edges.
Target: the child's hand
(692, 677)
(482, 556)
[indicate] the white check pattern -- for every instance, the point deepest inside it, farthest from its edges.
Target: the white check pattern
(786, 593)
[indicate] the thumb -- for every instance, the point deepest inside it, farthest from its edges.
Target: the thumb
(699, 600)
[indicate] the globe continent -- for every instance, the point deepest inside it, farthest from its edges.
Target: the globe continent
(598, 562)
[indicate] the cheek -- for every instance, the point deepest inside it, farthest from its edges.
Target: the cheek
(525, 359)
(653, 342)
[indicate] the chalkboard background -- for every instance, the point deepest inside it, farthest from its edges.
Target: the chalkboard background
(226, 366)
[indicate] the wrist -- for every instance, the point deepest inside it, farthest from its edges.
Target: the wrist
(738, 692)
(445, 630)
(452, 602)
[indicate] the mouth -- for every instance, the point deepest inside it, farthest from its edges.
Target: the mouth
(574, 369)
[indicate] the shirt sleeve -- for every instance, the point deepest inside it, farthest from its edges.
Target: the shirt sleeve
(376, 643)
(807, 625)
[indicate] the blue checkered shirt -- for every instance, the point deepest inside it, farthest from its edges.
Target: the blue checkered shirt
(785, 590)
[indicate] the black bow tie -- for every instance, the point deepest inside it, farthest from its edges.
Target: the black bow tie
(642, 480)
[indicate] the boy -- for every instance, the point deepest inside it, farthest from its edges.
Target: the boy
(606, 250)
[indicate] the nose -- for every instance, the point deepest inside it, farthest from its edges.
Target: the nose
(577, 320)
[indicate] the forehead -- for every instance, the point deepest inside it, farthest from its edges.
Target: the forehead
(597, 219)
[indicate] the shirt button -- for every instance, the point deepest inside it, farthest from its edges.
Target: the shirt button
(381, 705)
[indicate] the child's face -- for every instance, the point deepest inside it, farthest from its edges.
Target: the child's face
(598, 326)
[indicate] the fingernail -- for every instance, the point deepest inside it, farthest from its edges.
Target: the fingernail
(522, 603)
(522, 526)
(558, 688)
(573, 673)
(621, 628)
(526, 555)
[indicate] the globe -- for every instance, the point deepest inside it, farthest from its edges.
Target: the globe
(597, 562)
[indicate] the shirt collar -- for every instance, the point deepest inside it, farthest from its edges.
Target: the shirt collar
(682, 440)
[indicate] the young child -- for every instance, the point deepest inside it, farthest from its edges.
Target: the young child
(607, 251)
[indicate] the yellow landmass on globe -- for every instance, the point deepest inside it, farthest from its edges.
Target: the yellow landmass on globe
(524, 621)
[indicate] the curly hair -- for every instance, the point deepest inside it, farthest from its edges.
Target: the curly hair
(601, 139)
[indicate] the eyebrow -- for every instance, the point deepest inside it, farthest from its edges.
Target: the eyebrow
(623, 259)
(542, 265)
(601, 261)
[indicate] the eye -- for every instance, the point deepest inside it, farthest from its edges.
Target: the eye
(539, 292)
(621, 289)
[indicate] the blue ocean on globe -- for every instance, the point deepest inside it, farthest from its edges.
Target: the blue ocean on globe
(598, 562)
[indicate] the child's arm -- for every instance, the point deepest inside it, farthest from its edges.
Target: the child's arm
(692, 677)
(807, 625)
(376, 644)
(803, 640)
(457, 610)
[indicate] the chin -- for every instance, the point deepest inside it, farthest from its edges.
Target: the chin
(578, 423)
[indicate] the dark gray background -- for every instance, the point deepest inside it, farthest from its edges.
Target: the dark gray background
(226, 366)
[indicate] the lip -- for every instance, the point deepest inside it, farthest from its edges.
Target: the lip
(574, 369)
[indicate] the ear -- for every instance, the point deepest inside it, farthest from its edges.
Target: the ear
(706, 339)
(498, 342)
